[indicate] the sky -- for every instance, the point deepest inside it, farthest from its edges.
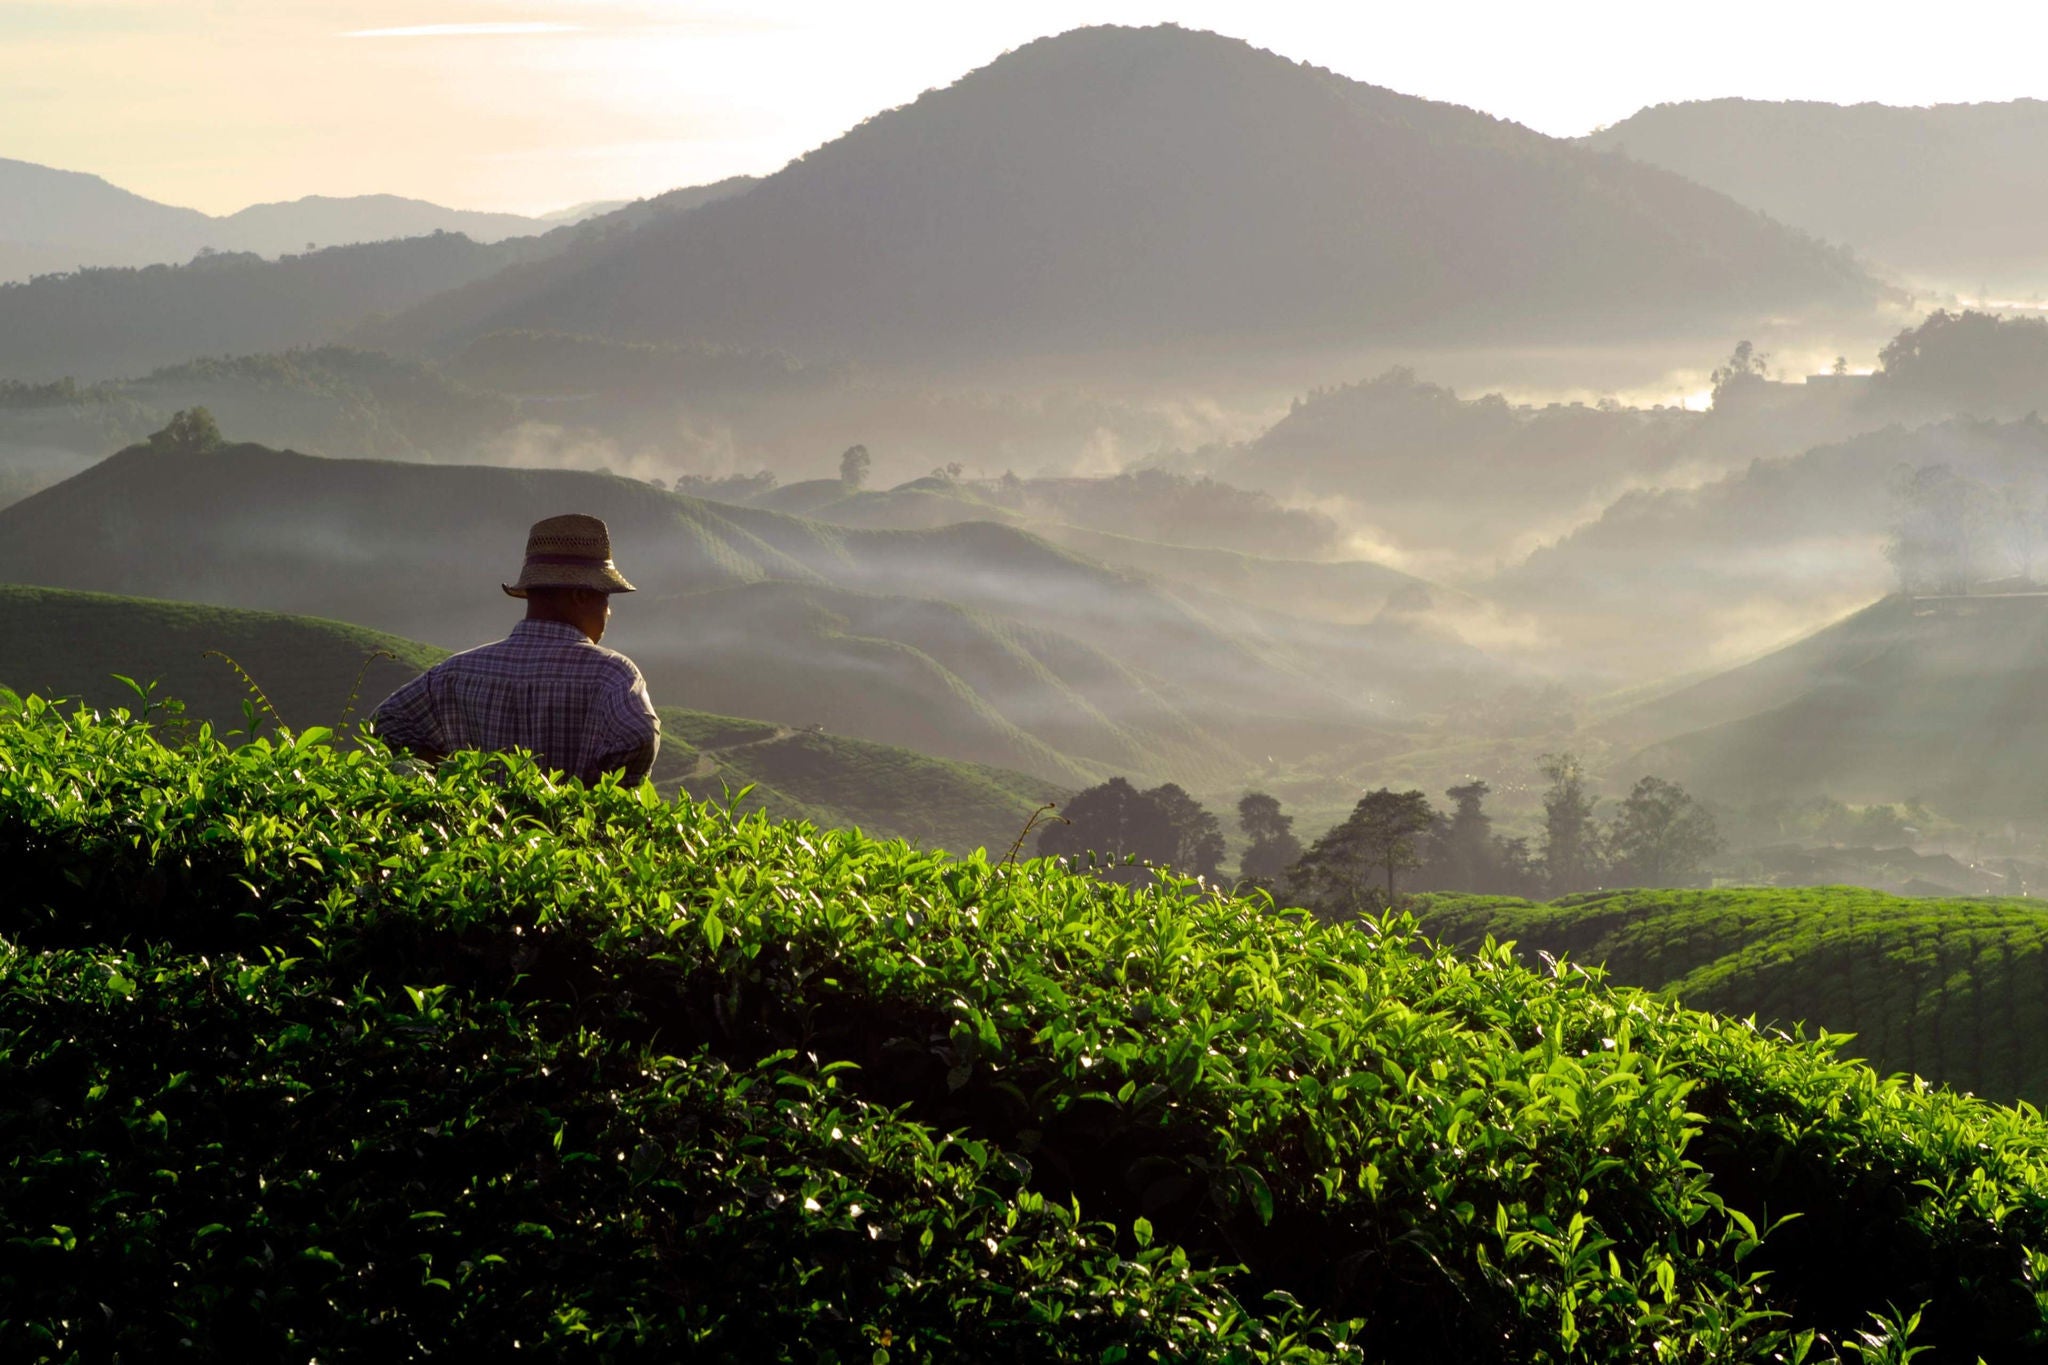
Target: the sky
(535, 105)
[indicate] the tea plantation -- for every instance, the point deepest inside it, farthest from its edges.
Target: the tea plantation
(304, 1055)
(1954, 990)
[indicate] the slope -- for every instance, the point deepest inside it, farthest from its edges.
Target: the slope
(1952, 990)
(1945, 192)
(1929, 699)
(887, 791)
(72, 644)
(628, 1079)
(1128, 187)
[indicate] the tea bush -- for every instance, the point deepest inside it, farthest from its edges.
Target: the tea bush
(304, 1055)
(1951, 989)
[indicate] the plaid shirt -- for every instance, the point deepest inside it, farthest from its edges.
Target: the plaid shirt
(580, 708)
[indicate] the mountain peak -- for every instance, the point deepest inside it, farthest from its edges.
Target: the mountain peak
(1111, 187)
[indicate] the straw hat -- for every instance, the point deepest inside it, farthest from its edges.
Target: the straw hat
(570, 551)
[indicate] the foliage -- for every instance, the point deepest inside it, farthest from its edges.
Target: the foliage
(1660, 835)
(303, 1056)
(1945, 538)
(1380, 835)
(854, 464)
(1573, 858)
(1274, 847)
(1968, 362)
(1745, 366)
(1126, 833)
(191, 431)
(1949, 989)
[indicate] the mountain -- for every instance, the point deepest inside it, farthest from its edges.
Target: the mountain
(105, 323)
(1932, 699)
(61, 220)
(52, 220)
(1948, 192)
(1066, 663)
(1127, 187)
(115, 321)
(71, 645)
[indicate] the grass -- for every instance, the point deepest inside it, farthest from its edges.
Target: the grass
(303, 1056)
(1950, 989)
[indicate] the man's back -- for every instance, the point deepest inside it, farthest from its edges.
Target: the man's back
(581, 708)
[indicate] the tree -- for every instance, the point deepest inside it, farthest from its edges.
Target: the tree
(1661, 835)
(1462, 854)
(1745, 366)
(1114, 822)
(1274, 848)
(1197, 835)
(191, 431)
(1378, 837)
(853, 467)
(1571, 841)
(1942, 541)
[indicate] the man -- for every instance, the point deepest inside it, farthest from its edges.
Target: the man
(548, 687)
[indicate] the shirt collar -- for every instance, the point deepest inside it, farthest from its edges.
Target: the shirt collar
(560, 631)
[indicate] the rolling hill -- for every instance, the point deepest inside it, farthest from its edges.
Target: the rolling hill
(1104, 664)
(1132, 187)
(57, 643)
(1950, 989)
(61, 644)
(1935, 699)
(1946, 192)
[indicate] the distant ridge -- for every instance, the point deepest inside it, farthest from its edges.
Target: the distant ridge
(57, 220)
(1116, 186)
(1953, 192)
(112, 321)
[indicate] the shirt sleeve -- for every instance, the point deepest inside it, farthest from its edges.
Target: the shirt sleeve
(632, 732)
(406, 720)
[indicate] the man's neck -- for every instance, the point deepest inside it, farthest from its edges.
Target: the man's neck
(533, 619)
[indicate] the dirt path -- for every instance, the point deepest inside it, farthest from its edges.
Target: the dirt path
(707, 758)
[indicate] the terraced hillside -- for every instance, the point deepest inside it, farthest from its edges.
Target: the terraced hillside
(945, 611)
(73, 644)
(486, 1064)
(1953, 990)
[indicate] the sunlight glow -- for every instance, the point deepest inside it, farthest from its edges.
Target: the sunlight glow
(464, 30)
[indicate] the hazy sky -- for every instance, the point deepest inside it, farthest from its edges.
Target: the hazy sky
(537, 104)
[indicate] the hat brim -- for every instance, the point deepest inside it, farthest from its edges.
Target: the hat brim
(597, 577)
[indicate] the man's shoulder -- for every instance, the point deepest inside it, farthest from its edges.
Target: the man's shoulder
(614, 662)
(526, 650)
